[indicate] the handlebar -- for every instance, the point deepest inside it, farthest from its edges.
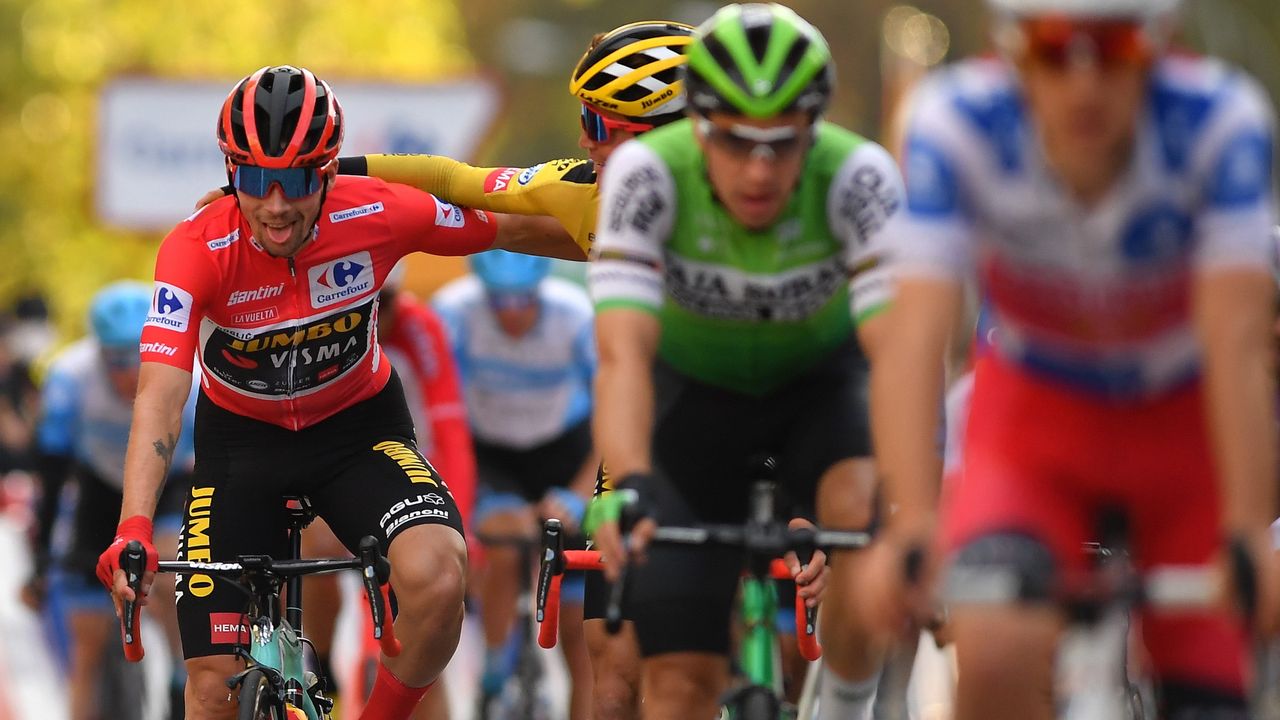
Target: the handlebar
(375, 572)
(133, 560)
(803, 541)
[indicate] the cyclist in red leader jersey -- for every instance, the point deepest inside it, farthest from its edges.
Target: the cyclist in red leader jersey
(275, 291)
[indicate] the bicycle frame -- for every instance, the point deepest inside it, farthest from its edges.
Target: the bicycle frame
(758, 648)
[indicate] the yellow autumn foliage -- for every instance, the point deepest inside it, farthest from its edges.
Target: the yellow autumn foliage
(61, 52)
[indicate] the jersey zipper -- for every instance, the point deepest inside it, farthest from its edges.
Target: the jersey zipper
(293, 351)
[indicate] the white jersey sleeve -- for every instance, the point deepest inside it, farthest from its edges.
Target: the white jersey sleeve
(865, 198)
(637, 212)
(934, 237)
(1234, 165)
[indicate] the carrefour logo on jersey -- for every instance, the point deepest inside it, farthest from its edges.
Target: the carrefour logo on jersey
(448, 215)
(170, 308)
(341, 279)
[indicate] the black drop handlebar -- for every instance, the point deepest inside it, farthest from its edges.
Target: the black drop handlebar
(375, 573)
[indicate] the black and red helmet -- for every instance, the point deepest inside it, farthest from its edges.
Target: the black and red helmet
(281, 117)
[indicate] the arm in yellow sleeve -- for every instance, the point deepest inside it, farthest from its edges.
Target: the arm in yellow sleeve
(453, 181)
(563, 189)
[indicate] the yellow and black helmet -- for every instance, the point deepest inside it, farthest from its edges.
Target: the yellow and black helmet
(634, 71)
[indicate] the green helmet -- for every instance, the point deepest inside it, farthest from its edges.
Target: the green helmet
(759, 60)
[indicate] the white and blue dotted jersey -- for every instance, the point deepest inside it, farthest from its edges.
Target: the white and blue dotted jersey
(1096, 297)
(522, 392)
(82, 416)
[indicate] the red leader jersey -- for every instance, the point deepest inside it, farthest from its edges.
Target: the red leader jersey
(292, 341)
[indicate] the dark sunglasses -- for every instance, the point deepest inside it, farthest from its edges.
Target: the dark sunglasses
(1059, 43)
(514, 300)
(598, 127)
(295, 182)
(743, 141)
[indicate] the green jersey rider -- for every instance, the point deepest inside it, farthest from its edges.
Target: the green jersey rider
(738, 279)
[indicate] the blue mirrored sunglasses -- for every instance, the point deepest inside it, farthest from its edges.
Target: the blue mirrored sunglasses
(295, 183)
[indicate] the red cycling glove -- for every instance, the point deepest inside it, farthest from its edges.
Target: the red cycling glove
(137, 528)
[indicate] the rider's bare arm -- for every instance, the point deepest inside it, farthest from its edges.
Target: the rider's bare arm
(536, 235)
(157, 422)
(1234, 315)
(627, 340)
(906, 382)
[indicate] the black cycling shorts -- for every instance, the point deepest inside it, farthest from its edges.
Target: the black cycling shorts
(706, 444)
(531, 472)
(360, 468)
(97, 512)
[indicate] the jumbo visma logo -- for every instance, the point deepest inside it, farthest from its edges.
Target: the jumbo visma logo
(286, 359)
(408, 460)
(195, 541)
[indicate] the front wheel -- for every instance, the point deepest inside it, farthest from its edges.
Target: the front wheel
(258, 699)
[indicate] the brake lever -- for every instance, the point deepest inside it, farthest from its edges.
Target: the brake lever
(375, 574)
(804, 544)
(133, 560)
(550, 575)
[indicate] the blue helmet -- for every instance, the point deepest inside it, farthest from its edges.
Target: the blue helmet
(117, 313)
(507, 272)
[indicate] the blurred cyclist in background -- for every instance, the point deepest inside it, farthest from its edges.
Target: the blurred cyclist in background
(526, 351)
(1115, 201)
(85, 411)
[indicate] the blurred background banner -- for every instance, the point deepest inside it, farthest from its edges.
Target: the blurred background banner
(155, 155)
(86, 192)
(154, 149)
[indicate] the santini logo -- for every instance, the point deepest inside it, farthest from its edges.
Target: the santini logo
(262, 293)
(155, 347)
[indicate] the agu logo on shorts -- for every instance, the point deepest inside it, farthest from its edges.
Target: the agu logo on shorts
(343, 278)
(170, 308)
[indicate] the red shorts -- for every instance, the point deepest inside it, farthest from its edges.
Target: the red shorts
(1042, 460)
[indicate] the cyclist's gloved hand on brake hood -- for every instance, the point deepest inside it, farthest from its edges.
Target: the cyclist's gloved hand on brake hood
(606, 514)
(109, 572)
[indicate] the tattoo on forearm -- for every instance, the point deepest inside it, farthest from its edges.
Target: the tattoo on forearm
(164, 449)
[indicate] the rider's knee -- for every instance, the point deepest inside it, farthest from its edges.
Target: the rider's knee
(683, 681)
(207, 694)
(429, 572)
